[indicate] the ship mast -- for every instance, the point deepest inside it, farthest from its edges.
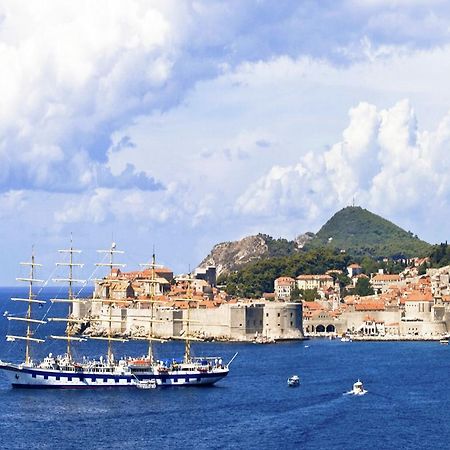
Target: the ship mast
(111, 264)
(187, 344)
(153, 282)
(70, 298)
(28, 317)
(187, 335)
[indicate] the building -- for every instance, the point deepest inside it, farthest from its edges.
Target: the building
(381, 282)
(353, 270)
(237, 321)
(283, 287)
(208, 274)
(319, 282)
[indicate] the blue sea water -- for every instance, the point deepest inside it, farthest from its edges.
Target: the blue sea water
(405, 407)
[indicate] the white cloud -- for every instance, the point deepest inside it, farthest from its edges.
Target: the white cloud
(70, 73)
(383, 161)
(176, 115)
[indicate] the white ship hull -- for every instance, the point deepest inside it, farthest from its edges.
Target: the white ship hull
(21, 376)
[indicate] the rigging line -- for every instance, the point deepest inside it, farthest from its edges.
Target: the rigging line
(50, 303)
(91, 277)
(15, 344)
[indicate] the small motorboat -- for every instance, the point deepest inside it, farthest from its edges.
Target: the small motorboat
(444, 340)
(346, 339)
(358, 388)
(146, 384)
(293, 381)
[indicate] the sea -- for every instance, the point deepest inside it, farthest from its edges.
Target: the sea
(406, 406)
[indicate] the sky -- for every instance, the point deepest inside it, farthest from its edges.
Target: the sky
(176, 125)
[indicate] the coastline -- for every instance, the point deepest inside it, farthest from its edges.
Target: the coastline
(383, 338)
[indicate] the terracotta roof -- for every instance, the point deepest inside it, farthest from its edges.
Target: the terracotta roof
(370, 306)
(312, 305)
(315, 277)
(419, 296)
(350, 299)
(386, 277)
(284, 281)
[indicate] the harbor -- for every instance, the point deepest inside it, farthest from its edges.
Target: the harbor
(254, 407)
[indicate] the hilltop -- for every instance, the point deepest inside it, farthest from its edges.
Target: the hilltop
(354, 230)
(362, 233)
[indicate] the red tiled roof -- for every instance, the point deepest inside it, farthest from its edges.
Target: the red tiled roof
(315, 277)
(370, 306)
(386, 277)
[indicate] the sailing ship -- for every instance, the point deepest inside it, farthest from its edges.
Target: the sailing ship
(64, 371)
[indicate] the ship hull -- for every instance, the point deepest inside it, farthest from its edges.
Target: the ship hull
(32, 377)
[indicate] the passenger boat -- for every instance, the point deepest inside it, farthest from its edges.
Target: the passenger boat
(293, 381)
(64, 371)
(358, 388)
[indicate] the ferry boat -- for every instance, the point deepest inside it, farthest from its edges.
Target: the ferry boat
(65, 372)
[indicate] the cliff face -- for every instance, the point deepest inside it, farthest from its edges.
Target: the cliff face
(230, 256)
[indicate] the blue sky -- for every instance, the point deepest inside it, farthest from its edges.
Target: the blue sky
(182, 124)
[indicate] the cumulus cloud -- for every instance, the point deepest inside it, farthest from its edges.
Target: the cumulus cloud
(74, 72)
(123, 114)
(70, 74)
(384, 162)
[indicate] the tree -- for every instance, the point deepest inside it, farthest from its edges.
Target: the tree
(309, 295)
(295, 294)
(423, 269)
(363, 287)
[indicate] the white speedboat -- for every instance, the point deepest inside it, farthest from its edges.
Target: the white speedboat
(293, 381)
(358, 388)
(346, 339)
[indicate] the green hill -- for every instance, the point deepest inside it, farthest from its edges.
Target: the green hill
(360, 232)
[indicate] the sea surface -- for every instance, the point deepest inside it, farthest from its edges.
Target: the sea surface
(253, 408)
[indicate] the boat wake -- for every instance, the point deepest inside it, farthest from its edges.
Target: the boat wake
(356, 394)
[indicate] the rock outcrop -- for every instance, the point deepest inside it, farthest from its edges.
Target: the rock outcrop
(230, 256)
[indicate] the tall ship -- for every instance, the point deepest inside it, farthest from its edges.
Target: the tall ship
(65, 371)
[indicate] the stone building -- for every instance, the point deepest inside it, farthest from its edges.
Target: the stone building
(381, 282)
(319, 282)
(283, 287)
